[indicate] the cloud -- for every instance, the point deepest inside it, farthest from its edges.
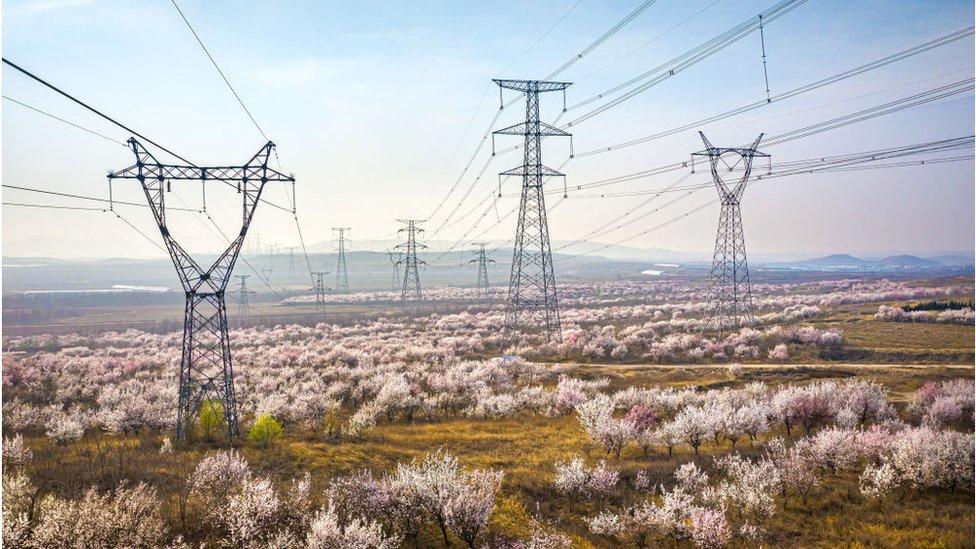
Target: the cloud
(44, 6)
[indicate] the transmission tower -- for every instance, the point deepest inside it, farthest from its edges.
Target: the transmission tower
(532, 288)
(729, 293)
(243, 296)
(267, 274)
(291, 261)
(395, 263)
(342, 276)
(206, 371)
(320, 288)
(410, 293)
(482, 261)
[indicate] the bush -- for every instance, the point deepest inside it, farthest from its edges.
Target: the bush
(211, 423)
(266, 431)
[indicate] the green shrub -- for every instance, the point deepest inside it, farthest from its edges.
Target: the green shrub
(211, 424)
(266, 431)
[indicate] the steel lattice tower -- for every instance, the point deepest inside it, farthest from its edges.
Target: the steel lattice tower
(342, 276)
(532, 288)
(320, 288)
(206, 370)
(410, 293)
(730, 294)
(482, 261)
(291, 261)
(395, 263)
(243, 296)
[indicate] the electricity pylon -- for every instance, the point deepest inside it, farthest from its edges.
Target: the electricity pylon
(206, 370)
(729, 293)
(395, 263)
(320, 288)
(291, 261)
(410, 293)
(532, 288)
(482, 261)
(243, 296)
(267, 274)
(342, 276)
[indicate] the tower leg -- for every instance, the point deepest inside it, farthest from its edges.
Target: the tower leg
(206, 370)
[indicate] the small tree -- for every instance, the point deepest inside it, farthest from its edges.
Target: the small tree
(210, 420)
(265, 432)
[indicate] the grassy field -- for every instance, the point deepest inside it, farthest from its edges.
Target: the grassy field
(526, 450)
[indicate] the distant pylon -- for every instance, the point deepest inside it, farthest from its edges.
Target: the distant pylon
(320, 288)
(243, 296)
(410, 293)
(267, 274)
(395, 263)
(482, 261)
(291, 261)
(342, 276)
(729, 293)
(532, 288)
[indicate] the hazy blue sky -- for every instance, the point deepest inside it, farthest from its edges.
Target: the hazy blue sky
(368, 101)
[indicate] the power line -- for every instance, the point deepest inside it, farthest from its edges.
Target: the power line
(649, 42)
(570, 62)
(68, 122)
(55, 207)
(219, 71)
(817, 84)
(601, 39)
(827, 164)
(688, 59)
(91, 198)
(72, 98)
(890, 107)
(88, 107)
(542, 37)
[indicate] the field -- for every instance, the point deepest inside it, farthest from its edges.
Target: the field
(823, 425)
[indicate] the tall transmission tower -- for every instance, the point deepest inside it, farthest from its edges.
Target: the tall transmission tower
(206, 370)
(532, 288)
(482, 261)
(342, 276)
(729, 293)
(320, 288)
(291, 261)
(243, 296)
(410, 293)
(267, 274)
(395, 263)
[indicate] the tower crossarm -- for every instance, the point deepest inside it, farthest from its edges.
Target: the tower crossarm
(730, 193)
(540, 128)
(155, 176)
(527, 169)
(531, 85)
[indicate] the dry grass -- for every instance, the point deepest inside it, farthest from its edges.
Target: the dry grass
(527, 448)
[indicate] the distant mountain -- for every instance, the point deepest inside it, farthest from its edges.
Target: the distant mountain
(953, 260)
(907, 261)
(836, 260)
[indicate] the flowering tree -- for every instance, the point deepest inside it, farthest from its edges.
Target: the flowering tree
(596, 417)
(454, 499)
(575, 478)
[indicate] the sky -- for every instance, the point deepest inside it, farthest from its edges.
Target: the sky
(377, 107)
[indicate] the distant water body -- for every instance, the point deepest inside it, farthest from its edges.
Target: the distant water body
(117, 288)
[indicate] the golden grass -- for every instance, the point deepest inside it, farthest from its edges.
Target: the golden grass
(527, 449)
